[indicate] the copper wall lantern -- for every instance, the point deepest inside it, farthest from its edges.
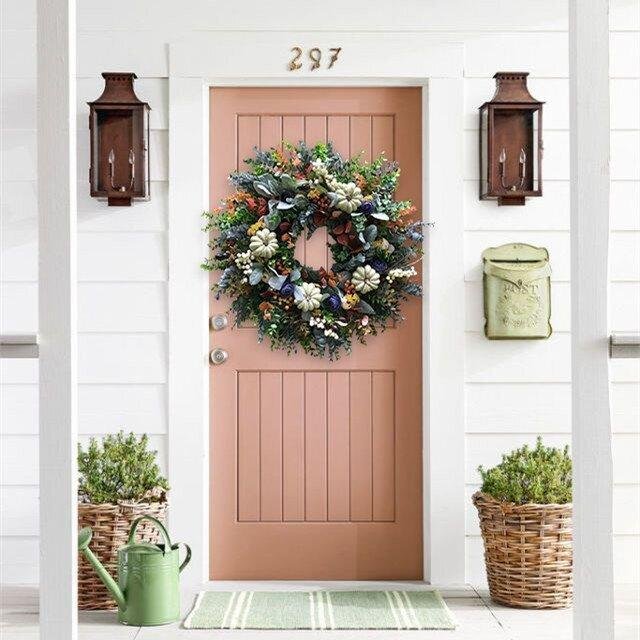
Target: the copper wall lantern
(119, 129)
(511, 142)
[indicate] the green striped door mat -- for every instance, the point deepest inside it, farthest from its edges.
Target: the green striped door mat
(319, 610)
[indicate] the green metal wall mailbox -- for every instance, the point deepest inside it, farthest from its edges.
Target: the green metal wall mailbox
(517, 292)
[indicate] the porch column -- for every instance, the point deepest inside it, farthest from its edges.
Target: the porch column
(57, 322)
(591, 429)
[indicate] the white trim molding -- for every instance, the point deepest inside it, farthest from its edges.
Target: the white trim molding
(188, 313)
(248, 56)
(58, 277)
(367, 59)
(443, 325)
(591, 424)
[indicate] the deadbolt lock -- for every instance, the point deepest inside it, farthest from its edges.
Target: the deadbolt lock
(218, 356)
(219, 321)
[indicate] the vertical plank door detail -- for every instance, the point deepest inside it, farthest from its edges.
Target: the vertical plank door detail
(316, 466)
(328, 457)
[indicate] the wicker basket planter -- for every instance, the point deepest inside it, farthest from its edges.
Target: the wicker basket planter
(110, 524)
(528, 552)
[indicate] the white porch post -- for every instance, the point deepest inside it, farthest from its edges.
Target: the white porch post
(591, 430)
(57, 303)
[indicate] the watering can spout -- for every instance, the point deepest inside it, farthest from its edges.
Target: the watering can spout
(84, 538)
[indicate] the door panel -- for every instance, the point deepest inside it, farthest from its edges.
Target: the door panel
(323, 462)
(316, 466)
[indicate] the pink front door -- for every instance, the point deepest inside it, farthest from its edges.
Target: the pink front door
(316, 466)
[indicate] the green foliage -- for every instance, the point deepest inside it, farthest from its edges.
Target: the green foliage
(541, 475)
(120, 468)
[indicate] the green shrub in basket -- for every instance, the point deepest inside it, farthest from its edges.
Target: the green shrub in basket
(540, 475)
(120, 468)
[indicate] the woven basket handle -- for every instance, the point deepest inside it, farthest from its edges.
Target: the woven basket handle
(157, 523)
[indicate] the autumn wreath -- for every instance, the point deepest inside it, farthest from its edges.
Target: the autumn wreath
(374, 241)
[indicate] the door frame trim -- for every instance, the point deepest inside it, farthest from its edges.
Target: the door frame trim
(393, 59)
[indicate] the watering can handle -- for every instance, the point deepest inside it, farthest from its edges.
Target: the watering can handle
(156, 522)
(185, 562)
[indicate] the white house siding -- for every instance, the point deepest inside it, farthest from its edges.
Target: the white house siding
(514, 390)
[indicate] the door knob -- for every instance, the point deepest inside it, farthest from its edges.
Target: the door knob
(219, 321)
(218, 356)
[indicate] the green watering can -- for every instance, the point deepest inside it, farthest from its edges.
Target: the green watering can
(148, 588)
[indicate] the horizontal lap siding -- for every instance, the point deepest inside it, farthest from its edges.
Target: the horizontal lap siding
(513, 391)
(101, 408)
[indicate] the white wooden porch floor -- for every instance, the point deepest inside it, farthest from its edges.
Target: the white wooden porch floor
(477, 617)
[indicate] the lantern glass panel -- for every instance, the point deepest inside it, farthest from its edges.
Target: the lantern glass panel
(485, 187)
(93, 125)
(116, 137)
(512, 149)
(537, 151)
(145, 153)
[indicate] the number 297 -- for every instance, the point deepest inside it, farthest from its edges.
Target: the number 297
(315, 58)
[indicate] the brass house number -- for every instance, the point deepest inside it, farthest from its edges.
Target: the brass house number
(315, 58)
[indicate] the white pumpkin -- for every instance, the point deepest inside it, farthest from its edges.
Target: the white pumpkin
(365, 279)
(309, 296)
(349, 197)
(263, 244)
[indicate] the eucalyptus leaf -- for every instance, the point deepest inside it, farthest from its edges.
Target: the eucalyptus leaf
(334, 198)
(380, 216)
(295, 275)
(273, 205)
(365, 307)
(276, 282)
(272, 184)
(262, 189)
(300, 202)
(347, 266)
(371, 233)
(287, 182)
(306, 214)
(255, 276)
